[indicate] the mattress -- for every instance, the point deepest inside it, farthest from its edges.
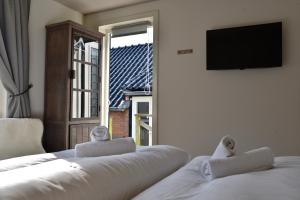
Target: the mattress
(280, 183)
(63, 177)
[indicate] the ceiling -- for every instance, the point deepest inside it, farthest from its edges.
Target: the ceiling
(88, 6)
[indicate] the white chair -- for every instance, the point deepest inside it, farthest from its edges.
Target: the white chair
(20, 137)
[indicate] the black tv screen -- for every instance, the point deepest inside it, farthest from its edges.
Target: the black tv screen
(255, 46)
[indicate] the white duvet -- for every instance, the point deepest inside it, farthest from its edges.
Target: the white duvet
(26, 161)
(108, 177)
(280, 183)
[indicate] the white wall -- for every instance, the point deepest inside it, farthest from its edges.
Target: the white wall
(43, 12)
(197, 107)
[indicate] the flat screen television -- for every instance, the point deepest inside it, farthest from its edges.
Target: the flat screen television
(256, 46)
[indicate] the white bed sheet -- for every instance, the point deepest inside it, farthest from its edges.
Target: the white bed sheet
(280, 183)
(108, 177)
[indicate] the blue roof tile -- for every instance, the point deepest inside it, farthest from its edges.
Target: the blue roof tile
(129, 71)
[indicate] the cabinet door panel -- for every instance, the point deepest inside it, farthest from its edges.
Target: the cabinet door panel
(85, 134)
(73, 132)
(80, 133)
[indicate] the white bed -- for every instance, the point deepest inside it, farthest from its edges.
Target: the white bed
(62, 177)
(148, 174)
(280, 183)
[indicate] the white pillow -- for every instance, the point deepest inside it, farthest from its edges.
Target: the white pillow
(19, 137)
(105, 148)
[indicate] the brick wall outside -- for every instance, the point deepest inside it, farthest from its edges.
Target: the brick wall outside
(120, 123)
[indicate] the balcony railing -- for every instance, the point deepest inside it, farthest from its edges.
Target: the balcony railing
(143, 129)
(141, 132)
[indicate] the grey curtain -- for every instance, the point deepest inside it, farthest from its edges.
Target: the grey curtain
(14, 55)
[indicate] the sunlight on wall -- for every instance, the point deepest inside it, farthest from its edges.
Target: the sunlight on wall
(133, 39)
(2, 100)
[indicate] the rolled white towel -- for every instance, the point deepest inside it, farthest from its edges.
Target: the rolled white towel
(225, 148)
(105, 148)
(99, 133)
(254, 160)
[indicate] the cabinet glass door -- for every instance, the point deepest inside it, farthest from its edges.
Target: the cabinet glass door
(85, 74)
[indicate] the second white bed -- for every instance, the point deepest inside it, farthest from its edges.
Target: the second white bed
(280, 183)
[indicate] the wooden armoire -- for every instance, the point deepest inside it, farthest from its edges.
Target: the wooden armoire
(72, 85)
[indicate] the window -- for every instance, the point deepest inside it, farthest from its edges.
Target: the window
(127, 39)
(130, 75)
(85, 80)
(2, 100)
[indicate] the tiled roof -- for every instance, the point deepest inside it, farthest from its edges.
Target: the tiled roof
(129, 71)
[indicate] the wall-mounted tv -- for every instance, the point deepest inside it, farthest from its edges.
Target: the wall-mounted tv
(256, 46)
